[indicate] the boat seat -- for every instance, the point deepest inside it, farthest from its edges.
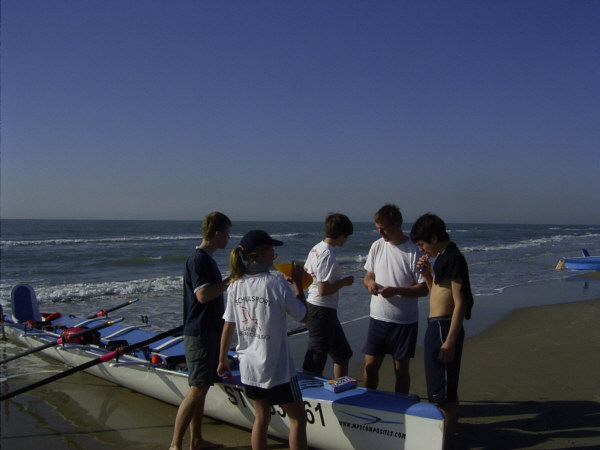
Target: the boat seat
(133, 330)
(168, 344)
(24, 304)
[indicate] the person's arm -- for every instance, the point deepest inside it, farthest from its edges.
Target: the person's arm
(212, 291)
(327, 288)
(447, 349)
(297, 277)
(415, 290)
(223, 368)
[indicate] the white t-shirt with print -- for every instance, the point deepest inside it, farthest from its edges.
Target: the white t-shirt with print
(396, 266)
(322, 265)
(258, 305)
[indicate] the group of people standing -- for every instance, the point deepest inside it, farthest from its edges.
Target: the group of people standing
(398, 272)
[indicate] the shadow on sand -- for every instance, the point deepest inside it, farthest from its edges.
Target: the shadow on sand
(516, 425)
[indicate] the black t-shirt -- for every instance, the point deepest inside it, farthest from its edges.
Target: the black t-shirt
(201, 270)
(452, 264)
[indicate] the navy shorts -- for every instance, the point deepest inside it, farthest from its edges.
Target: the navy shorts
(326, 337)
(202, 358)
(396, 339)
(442, 379)
(281, 394)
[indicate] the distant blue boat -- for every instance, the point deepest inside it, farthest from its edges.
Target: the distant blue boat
(585, 262)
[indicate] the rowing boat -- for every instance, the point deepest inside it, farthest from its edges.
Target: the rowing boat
(352, 418)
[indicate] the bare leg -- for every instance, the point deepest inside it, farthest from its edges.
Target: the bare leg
(371, 372)
(190, 413)
(297, 416)
(450, 411)
(402, 375)
(262, 418)
(341, 369)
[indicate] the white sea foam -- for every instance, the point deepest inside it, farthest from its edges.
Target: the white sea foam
(527, 243)
(83, 291)
(65, 242)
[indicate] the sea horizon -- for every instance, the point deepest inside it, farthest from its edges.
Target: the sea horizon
(199, 221)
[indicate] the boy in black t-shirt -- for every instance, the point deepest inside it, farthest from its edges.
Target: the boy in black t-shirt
(450, 303)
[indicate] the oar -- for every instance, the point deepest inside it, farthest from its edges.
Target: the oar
(297, 331)
(104, 312)
(302, 329)
(93, 362)
(63, 340)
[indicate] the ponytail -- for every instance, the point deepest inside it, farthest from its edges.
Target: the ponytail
(237, 266)
(236, 263)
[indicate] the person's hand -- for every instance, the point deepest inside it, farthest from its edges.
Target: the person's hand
(446, 354)
(423, 264)
(297, 274)
(223, 369)
(348, 281)
(373, 288)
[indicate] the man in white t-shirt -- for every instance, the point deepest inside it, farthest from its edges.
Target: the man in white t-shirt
(395, 284)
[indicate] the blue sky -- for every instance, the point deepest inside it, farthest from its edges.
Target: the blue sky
(479, 111)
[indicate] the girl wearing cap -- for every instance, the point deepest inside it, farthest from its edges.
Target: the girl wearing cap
(257, 304)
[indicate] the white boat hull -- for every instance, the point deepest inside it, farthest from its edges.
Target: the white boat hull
(354, 419)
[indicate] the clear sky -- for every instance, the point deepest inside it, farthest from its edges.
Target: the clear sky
(479, 111)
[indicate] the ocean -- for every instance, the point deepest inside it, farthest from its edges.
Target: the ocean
(83, 266)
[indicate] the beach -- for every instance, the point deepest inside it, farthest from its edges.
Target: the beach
(527, 381)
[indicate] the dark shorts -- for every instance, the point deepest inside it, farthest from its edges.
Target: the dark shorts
(326, 337)
(202, 358)
(442, 379)
(278, 395)
(398, 340)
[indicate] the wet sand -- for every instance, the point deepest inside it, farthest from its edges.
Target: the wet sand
(528, 381)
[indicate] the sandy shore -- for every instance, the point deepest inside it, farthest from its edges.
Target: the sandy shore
(528, 381)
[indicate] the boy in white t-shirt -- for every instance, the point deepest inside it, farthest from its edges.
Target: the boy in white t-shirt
(326, 336)
(395, 284)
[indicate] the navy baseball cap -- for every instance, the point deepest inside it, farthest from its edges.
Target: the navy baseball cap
(257, 238)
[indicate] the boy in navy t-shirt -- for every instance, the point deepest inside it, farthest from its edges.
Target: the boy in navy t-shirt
(203, 307)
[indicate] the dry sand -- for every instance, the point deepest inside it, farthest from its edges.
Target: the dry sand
(530, 381)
